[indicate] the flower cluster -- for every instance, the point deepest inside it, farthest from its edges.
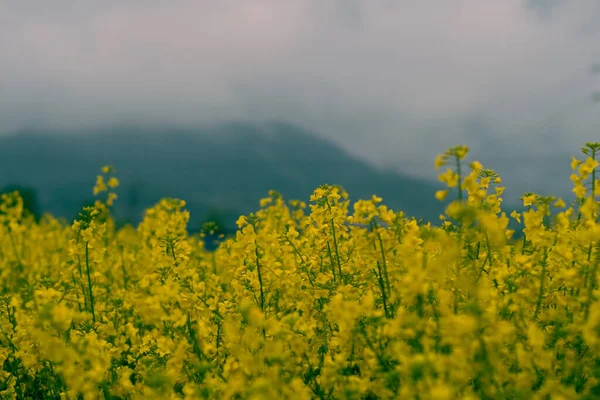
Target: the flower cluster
(309, 301)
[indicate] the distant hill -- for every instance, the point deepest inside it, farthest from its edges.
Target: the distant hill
(223, 170)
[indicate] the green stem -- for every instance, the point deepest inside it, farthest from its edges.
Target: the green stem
(594, 179)
(587, 272)
(194, 341)
(538, 304)
(89, 279)
(125, 279)
(459, 172)
(218, 343)
(382, 273)
(335, 246)
(488, 257)
(214, 262)
(592, 284)
(196, 346)
(14, 245)
(385, 270)
(524, 235)
(331, 259)
(173, 254)
(260, 280)
(382, 288)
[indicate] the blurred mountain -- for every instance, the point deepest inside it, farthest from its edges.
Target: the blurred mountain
(221, 171)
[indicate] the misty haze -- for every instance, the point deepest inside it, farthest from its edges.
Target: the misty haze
(390, 83)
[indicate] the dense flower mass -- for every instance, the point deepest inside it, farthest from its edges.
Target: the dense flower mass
(326, 300)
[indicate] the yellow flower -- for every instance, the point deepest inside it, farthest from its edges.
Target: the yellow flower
(440, 161)
(580, 191)
(111, 199)
(265, 202)
(476, 166)
(307, 289)
(587, 167)
(87, 235)
(113, 182)
(461, 152)
(442, 392)
(516, 216)
(536, 336)
(449, 177)
(485, 182)
(529, 200)
(241, 221)
(100, 185)
(575, 163)
(441, 195)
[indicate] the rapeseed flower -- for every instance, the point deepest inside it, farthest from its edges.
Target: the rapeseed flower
(308, 301)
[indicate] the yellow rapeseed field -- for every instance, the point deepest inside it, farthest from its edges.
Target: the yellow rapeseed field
(309, 301)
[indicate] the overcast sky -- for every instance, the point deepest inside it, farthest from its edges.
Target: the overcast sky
(393, 81)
